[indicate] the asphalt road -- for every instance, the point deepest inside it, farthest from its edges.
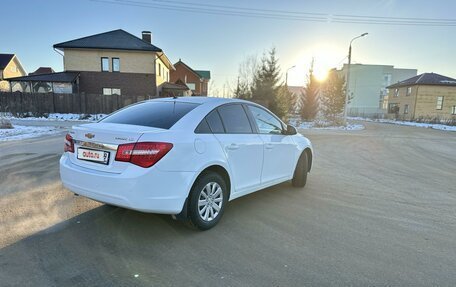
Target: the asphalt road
(379, 209)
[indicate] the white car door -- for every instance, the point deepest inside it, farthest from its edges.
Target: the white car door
(243, 147)
(280, 151)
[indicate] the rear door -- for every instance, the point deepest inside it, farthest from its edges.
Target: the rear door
(279, 150)
(243, 147)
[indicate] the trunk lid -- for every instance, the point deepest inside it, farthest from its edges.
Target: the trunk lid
(95, 144)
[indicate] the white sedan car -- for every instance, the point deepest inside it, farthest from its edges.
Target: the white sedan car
(184, 156)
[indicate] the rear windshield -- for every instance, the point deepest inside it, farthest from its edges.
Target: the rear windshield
(151, 114)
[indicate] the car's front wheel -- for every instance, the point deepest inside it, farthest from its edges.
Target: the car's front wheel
(208, 198)
(300, 173)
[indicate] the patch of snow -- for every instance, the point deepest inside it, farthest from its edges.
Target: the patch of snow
(25, 132)
(349, 127)
(406, 123)
(63, 117)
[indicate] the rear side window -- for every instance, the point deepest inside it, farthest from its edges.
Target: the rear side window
(235, 119)
(151, 114)
(203, 127)
(215, 123)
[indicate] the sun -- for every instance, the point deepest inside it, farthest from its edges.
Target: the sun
(325, 56)
(321, 73)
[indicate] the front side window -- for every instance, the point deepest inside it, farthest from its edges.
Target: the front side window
(105, 64)
(235, 119)
(406, 109)
(439, 103)
(266, 122)
(409, 91)
(453, 110)
(115, 64)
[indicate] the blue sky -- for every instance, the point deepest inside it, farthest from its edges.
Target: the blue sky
(220, 43)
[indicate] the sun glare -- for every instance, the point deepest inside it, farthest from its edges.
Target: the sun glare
(321, 74)
(325, 57)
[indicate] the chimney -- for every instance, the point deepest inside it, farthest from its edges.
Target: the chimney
(147, 36)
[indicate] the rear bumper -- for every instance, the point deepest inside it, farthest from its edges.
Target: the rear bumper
(146, 190)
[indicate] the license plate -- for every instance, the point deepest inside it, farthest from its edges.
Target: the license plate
(97, 156)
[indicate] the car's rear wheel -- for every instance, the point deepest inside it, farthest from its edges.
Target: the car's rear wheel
(208, 198)
(300, 173)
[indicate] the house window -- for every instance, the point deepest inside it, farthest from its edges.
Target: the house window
(191, 86)
(104, 64)
(453, 110)
(115, 64)
(111, 91)
(396, 92)
(409, 91)
(159, 69)
(439, 103)
(393, 108)
(406, 109)
(386, 80)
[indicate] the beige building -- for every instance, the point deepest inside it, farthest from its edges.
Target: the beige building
(426, 96)
(117, 62)
(10, 67)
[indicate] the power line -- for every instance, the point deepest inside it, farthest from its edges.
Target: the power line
(213, 11)
(226, 10)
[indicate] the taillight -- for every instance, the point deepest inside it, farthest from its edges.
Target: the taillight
(69, 144)
(144, 154)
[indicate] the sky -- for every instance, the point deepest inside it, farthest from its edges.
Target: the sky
(220, 43)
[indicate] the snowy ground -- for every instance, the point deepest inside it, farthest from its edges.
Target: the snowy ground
(31, 127)
(323, 125)
(25, 132)
(313, 125)
(405, 123)
(62, 117)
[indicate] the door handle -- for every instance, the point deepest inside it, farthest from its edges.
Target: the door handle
(233, 146)
(269, 146)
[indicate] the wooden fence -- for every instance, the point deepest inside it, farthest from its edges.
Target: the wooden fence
(38, 103)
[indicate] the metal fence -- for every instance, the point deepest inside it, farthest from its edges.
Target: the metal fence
(44, 103)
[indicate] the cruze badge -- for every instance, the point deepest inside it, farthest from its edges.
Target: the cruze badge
(89, 135)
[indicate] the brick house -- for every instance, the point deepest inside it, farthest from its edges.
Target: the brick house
(196, 80)
(117, 62)
(10, 67)
(428, 96)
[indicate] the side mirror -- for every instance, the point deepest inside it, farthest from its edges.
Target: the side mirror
(291, 130)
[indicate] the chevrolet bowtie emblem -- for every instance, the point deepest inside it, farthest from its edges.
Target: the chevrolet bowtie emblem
(89, 135)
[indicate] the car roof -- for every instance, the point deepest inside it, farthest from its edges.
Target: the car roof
(201, 100)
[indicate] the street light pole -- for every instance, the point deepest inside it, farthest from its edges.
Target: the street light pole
(286, 75)
(347, 81)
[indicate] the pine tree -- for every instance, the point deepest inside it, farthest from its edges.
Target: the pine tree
(333, 96)
(265, 83)
(284, 102)
(242, 91)
(309, 108)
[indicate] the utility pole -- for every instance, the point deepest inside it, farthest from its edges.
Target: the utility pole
(347, 83)
(286, 75)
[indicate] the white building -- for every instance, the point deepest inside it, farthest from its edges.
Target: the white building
(368, 87)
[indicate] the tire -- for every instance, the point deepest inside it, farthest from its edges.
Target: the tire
(300, 173)
(207, 200)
